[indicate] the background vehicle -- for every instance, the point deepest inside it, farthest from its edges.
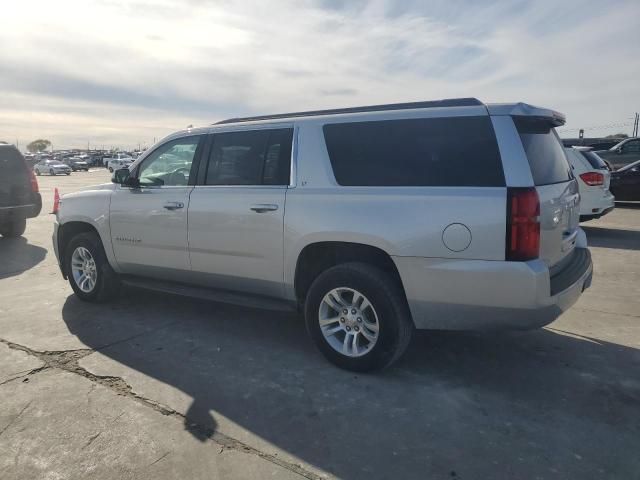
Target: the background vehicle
(52, 167)
(119, 160)
(76, 164)
(19, 196)
(593, 178)
(622, 154)
(625, 183)
(372, 220)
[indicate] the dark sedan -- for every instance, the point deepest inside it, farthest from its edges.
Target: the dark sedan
(625, 183)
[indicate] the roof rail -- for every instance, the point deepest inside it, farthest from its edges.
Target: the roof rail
(450, 102)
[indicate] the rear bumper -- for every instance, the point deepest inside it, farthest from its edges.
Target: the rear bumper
(28, 210)
(592, 206)
(476, 294)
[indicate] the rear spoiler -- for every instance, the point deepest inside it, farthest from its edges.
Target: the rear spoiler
(557, 119)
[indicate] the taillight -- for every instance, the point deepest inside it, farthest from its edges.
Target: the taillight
(34, 182)
(592, 178)
(523, 224)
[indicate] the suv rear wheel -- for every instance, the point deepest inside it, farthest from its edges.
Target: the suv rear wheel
(358, 317)
(14, 227)
(88, 270)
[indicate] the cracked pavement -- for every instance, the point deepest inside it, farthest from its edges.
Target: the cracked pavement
(153, 386)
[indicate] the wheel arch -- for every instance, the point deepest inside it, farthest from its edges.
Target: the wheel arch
(70, 229)
(317, 257)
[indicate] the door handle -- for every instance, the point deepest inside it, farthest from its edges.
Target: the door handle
(173, 205)
(264, 207)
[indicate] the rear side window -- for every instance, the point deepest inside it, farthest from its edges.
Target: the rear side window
(11, 162)
(544, 151)
(250, 157)
(452, 151)
(595, 161)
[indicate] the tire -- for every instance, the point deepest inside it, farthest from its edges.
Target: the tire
(68, 173)
(37, 172)
(52, 172)
(107, 283)
(13, 228)
(388, 305)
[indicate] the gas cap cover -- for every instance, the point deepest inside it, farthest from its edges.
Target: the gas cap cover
(456, 237)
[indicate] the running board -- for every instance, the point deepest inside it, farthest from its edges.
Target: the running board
(222, 296)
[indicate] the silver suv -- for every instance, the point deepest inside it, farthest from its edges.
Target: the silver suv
(374, 221)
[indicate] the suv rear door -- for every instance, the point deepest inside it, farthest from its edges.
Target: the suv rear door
(556, 187)
(236, 212)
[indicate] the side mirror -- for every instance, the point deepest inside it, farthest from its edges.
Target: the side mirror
(619, 150)
(123, 177)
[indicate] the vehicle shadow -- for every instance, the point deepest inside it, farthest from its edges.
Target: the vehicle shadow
(17, 255)
(612, 238)
(458, 405)
(627, 204)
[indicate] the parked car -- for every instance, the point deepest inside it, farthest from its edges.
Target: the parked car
(19, 195)
(117, 161)
(625, 183)
(52, 167)
(593, 178)
(622, 154)
(77, 164)
(372, 220)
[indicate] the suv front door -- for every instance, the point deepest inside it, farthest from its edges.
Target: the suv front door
(236, 213)
(149, 222)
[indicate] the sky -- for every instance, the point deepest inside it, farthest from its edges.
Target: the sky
(121, 73)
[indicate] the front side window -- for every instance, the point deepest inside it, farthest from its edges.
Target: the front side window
(250, 157)
(631, 147)
(170, 164)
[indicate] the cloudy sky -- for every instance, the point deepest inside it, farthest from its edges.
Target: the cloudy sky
(116, 72)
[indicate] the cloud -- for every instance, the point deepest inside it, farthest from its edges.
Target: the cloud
(126, 71)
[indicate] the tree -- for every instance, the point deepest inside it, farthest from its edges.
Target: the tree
(39, 145)
(618, 135)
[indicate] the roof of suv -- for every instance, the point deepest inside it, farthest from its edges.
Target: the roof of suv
(515, 109)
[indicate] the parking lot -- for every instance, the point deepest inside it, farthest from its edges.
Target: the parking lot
(154, 386)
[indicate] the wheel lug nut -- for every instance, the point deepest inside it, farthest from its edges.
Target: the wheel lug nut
(357, 329)
(345, 311)
(359, 319)
(342, 319)
(353, 311)
(348, 329)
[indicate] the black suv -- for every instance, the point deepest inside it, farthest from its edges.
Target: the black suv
(19, 196)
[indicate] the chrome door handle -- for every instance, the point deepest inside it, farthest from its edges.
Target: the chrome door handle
(264, 207)
(173, 205)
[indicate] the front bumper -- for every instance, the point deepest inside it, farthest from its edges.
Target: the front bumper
(478, 295)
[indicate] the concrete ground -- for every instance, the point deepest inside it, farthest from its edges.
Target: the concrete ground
(154, 386)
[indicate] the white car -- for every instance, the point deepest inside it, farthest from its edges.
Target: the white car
(593, 177)
(119, 161)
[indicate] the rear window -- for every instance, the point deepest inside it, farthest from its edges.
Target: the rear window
(11, 161)
(544, 151)
(453, 151)
(595, 161)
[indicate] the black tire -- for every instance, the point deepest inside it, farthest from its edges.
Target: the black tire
(37, 172)
(107, 283)
(13, 228)
(68, 173)
(52, 171)
(388, 300)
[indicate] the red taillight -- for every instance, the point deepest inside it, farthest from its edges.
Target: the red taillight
(523, 224)
(592, 178)
(56, 201)
(34, 182)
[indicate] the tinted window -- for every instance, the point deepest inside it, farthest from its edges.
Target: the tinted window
(252, 157)
(11, 162)
(457, 151)
(595, 161)
(169, 164)
(544, 151)
(631, 147)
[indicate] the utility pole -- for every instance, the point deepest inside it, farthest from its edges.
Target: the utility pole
(635, 125)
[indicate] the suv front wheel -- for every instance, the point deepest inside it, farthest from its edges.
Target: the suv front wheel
(88, 270)
(358, 317)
